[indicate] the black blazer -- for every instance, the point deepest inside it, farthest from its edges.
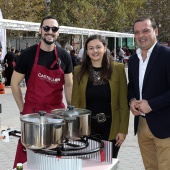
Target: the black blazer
(156, 89)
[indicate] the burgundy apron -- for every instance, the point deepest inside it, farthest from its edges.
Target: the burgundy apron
(44, 92)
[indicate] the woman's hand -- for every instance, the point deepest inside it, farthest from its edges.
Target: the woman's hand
(120, 139)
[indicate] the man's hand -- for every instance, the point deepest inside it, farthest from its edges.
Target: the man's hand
(133, 108)
(143, 106)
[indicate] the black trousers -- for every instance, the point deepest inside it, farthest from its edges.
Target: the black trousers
(8, 75)
(115, 149)
(102, 131)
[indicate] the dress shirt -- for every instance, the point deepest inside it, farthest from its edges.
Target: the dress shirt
(143, 66)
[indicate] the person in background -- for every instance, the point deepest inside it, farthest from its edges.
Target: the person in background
(27, 45)
(121, 54)
(46, 69)
(149, 95)
(80, 55)
(9, 62)
(110, 55)
(126, 50)
(74, 58)
(100, 86)
(133, 50)
(69, 48)
(113, 52)
(22, 50)
(17, 53)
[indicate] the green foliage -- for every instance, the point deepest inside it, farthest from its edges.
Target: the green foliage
(159, 10)
(111, 15)
(23, 11)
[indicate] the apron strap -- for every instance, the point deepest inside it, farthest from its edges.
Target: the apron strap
(38, 52)
(56, 61)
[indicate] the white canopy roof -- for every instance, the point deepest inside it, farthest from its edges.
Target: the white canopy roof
(32, 26)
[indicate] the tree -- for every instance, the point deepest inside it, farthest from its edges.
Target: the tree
(159, 10)
(110, 15)
(24, 11)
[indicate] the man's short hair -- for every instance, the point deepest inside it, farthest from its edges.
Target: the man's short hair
(12, 49)
(73, 51)
(144, 18)
(47, 17)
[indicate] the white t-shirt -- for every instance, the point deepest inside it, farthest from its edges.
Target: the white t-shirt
(81, 53)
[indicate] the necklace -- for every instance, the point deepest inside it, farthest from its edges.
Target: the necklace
(96, 76)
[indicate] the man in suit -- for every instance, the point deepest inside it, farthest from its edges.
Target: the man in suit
(149, 95)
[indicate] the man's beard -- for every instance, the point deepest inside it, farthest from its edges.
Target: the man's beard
(48, 42)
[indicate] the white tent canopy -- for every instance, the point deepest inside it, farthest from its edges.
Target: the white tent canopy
(32, 26)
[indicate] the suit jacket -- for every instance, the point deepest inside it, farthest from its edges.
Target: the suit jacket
(156, 89)
(119, 102)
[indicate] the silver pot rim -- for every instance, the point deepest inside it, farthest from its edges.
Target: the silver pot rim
(73, 112)
(35, 118)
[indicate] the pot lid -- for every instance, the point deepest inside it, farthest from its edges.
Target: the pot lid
(75, 112)
(37, 119)
(59, 111)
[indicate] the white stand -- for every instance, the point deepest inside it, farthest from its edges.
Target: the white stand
(90, 165)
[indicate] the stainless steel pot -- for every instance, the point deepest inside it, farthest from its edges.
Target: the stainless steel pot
(77, 122)
(41, 130)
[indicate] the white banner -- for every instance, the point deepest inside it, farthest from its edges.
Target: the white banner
(2, 39)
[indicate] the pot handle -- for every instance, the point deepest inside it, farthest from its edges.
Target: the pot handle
(70, 107)
(42, 113)
(70, 119)
(58, 125)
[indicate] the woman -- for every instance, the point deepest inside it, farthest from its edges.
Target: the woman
(100, 85)
(133, 50)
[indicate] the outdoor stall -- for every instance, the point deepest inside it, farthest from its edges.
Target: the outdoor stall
(32, 26)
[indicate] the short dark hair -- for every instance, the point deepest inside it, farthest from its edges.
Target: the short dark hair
(12, 49)
(144, 18)
(72, 51)
(47, 17)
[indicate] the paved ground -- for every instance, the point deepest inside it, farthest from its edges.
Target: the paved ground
(129, 155)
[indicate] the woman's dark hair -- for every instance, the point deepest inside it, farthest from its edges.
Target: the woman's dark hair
(86, 65)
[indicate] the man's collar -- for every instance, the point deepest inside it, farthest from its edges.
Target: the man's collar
(139, 51)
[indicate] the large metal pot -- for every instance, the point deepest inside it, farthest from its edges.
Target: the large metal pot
(77, 122)
(41, 130)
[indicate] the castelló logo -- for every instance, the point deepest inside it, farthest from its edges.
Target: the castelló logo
(48, 78)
